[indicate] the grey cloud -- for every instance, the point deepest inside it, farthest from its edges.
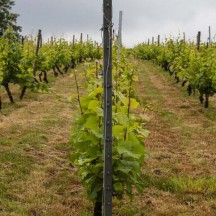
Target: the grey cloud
(142, 18)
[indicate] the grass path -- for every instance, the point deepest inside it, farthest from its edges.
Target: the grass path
(37, 179)
(182, 147)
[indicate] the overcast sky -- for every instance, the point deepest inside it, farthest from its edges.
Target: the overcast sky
(142, 19)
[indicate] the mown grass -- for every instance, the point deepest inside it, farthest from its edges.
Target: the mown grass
(7, 107)
(209, 113)
(36, 177)
(185, 132)
(183, 184)
(15, 167)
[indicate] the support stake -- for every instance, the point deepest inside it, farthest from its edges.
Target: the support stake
(209, 39)
(198, 40)
(107, 47)
(120, 33)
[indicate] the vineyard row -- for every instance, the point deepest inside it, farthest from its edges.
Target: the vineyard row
(27, 62)
(192, 64)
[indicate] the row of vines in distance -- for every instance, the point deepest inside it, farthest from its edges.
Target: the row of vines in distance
(194, 66)
(27, 62)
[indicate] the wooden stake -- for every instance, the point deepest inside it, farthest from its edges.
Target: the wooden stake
(198, 40)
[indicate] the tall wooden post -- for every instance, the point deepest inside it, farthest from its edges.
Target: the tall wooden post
(107, 47)
(22, 41)
(39, 39)
(51, 40)
(198, 40)
(38, 46)
(158, 40)
(73, 40)
(81, 38)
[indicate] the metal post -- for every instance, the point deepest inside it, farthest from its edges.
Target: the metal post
(107, 46)
(152, 40)
(158, 40)
(120, 33)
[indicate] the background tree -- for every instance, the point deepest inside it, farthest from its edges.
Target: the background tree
(7, 17)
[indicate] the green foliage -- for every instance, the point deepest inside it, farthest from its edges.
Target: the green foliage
(85, 50)
(7, 18)
(54, 54)
(10, 56)
(87, 134)
(17, 62)
(197, 68)
(20, 64)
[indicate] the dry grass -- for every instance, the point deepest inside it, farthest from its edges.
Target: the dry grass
(182, 148)
(36, 177)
